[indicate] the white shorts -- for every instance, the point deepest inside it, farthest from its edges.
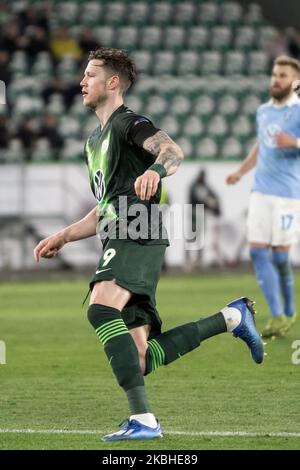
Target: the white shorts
(273, 220)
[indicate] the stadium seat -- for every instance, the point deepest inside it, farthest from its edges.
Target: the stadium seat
(126, 38)
(135, 103)
(234, 63)
(266, 34)
(257, 63)
(228, 106)
(73, 151)
(163, 62)
(143, 60)
(210, 63)
(69, 127)
(245, 38)
(156, 108)
(170, 125)
(91, 13)
(193, 128)
(206, 149)
(242, 128)
(197, 38)
(184, 13)
(207, 13)
(231, 149)
(115, 13)
(161, 13)
(42, 151)
(217, 128)
(180, 107)
(151, 38)
(105, 35)
(253, 16)
(56, 105)
(249, 105)
(186, 147)
(187, 62)
(220, 38)
(174, 38)
(138, 13)
(204, 107)
(231, 13)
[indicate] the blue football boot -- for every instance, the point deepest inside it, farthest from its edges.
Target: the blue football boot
(246, 329)
(134, 430)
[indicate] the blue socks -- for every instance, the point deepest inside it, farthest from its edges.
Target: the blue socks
(267, 278)
(286, 278)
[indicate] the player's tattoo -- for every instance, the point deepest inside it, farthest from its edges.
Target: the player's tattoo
(168, 153)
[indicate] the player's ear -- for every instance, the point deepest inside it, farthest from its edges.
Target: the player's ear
(113, 82)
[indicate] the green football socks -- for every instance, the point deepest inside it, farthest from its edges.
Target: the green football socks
(174, 343)
(121, 353)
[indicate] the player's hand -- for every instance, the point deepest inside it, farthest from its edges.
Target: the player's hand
(233, 178)
(296, 87)
(146, 185)
(284, 140)
(49, 247)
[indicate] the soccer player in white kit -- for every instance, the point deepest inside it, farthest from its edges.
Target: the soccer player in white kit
(274, 208)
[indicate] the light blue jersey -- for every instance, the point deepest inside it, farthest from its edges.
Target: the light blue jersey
(278, 169)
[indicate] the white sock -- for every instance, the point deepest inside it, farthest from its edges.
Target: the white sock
(148, 419)
(232, 317)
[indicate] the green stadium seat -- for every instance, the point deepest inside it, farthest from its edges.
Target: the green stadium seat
(69, 127)
(161, 13)
(207, 13)
(258, 63)
(206, 149)
(228, 106)
(163, 62)
(156, 108)
(193, 128)
(245, 38)
(217, 128)
(151, 38)
(91, 13)
(220, 38)
(73, 151)
(231, 13)
(266, 35)
(242, 128)
(170, 125)
(187, 62)
(184, 13)
(135, 103)
(143, 60)
(249, 105)
(127, 37)
(231, 149)
(42, 151)
(105, 35)
(18, 63)
(180, 106)
(210, 63)
(197, 38)
(253, 16)
(174, 37)
(115, 13)
(56, 105)
(138, 13)
(204, 107)
(67, 12)
(234, 63)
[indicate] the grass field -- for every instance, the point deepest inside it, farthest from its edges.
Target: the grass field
(57, 382)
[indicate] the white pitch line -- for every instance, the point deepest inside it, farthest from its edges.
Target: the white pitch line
(174, 433)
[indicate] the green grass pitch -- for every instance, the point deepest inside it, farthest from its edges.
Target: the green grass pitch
(57, 378)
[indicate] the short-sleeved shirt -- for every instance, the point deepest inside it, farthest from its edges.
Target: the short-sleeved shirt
(278, 169)
(114, 163)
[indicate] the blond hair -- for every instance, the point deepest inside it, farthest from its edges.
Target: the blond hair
(286, 60)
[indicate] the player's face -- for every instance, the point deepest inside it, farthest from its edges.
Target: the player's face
(281, 81)
(94, 84)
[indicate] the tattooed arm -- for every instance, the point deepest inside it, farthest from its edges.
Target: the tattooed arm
(169, 156)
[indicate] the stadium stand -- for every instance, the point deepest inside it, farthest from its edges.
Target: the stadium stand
(204, 68)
